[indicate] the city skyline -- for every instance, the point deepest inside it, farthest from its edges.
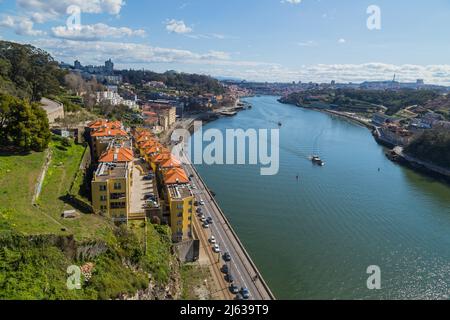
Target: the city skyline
(268, 40)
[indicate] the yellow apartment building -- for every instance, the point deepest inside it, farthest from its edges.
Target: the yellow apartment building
(181, 207)
(111, 188)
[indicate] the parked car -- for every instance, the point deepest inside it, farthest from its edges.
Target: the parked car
(225, 269)
(202, 203)
(226, 257)
(203, 219)
(199, 210)
(210, 220)
(212, 240)
(229, 278)
(216, 248)
(206, 225)
(234, 289)
(245, 293)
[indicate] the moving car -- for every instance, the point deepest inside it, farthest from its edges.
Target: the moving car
(245, 293)
(234, 289)
(216, 248)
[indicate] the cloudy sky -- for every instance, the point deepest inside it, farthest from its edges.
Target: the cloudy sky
(268, 40)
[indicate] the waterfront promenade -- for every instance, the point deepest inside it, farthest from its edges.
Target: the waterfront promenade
(242, 268)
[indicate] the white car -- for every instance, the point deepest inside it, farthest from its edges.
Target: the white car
(216, 248)
(212, 240)
(203, 219)
(202, 203)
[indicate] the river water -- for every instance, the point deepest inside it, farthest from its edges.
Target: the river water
(315, 237)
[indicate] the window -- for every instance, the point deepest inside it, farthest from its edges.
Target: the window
(190, 203)
(118, 205)
(117, 196)
(103, 187)
(103, 198)
(103, 208)
(179, 206)
(180, 214)
(180, 222)
(117, 186)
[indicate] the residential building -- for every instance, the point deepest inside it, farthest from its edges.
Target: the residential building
(181, 207)
(111, 187)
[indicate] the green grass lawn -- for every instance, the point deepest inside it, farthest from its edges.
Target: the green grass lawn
(18, 177)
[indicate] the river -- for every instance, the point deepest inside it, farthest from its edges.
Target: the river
(314, 238)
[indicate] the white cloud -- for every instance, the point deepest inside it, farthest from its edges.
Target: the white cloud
(177, 26)
(43, 10)
(127, 54)
(21, 26)
(309, 43)
(94, 32)
(356, 73)
(342, 41)
(292, 1)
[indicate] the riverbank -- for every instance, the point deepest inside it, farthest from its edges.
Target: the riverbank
(415, 164)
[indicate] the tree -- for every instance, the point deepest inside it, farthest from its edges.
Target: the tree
(24, 125)
(32, 71)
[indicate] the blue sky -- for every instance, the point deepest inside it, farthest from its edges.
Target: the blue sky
(268, 40)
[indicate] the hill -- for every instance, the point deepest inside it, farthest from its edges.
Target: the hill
(28, 72)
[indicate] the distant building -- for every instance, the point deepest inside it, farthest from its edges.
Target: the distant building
(380, 119)
(109, 66)
(77, 65)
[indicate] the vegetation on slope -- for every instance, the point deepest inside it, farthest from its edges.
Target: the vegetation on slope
(34, 268)
(432, 146)
(366, 99)
(28, 72)
(194, 83)
(24, 125)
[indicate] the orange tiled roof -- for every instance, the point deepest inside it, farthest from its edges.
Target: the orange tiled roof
(102, 123)
(97, 123)
(144, 138)
(161, 156)
(117, 155)
(154, 149)
(175, 176)
(148, 143)
(109, 132)
(172, 162)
